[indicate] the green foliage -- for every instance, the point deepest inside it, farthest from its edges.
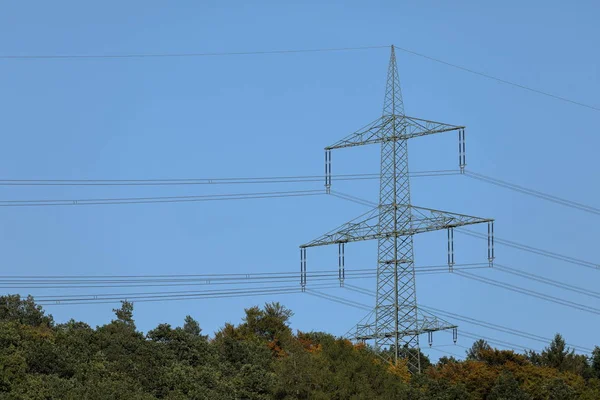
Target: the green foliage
(596, 362)
(125, 314)
(507, 388)
(26, 312)
(260, 358)
(474, 352)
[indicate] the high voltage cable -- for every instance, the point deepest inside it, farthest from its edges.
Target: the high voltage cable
(35, 283)
(546, 281)
(532, 249)
(249, 294)
(499, 183)
(498, 342)
(487, 76)
(164, 199)
(174, 295)
(500, 328)
(353, 199)
(529, 292)
(182, 55)
(436, 348)
(208, 181)
(339, 300)
(224, 276)
(474, 321)
(289, 51)
(534, 193)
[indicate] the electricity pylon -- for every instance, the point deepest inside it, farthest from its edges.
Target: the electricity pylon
(398, 323)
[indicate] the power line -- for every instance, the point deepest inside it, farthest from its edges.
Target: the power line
(172, 295)
(289, 51)
(484, 75)
(436, 348)
(534, 193)
(249, 294)
(500, 328)
(167, 199)
(531, 293)
(226, 276)
(339, 300)
(208, 181)
(498, 342)
(547, 281)
(531, 249)
(353, 199)
(186, 55)
(502, 184)
(199, 280)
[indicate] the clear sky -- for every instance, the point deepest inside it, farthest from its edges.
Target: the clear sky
(271, 115)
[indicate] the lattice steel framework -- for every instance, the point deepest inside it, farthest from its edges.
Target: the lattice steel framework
(398, 323)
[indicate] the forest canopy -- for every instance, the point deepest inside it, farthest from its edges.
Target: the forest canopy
(259, 358)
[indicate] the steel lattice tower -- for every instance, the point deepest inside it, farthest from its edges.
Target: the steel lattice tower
(398, 322)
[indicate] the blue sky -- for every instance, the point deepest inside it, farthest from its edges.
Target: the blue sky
(270, 115)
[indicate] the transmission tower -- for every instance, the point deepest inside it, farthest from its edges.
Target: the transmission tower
(398, 322)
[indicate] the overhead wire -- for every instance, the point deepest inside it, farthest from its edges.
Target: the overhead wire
(174, 298)
(164, 199)
(497, 327)
(497, 342)
(531, 249)
(289, 51)
(436, 348)
(531, 293)
(547, 281)
(338, 299)
(210, 181)
(213, 277)
(185, 55)
(534, 193)
(172, 295)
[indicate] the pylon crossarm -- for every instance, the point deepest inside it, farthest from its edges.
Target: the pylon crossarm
(369, 134)
(367, 227)
(381, 130)
(416, 127)
(427, 322)
(364, 227)
(428, 219)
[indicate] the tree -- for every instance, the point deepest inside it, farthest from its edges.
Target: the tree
(559, 390)
(125, 313)
(474, 352)
(596, 362)
(507, 388)
(23, 311)
(534, 357)
(446, 360)
(501, 357)
(192, 326)
(556, 354)
(260, 358)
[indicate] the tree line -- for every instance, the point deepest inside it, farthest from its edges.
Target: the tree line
(259, 358)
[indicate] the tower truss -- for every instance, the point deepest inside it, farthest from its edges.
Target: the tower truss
(398, 322)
